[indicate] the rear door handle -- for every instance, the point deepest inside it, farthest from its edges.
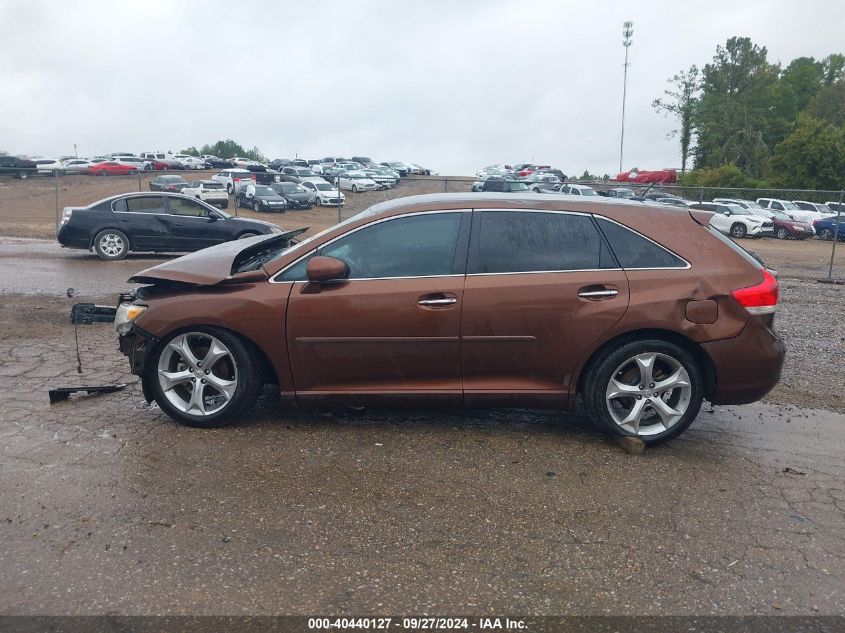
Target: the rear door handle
(597, 292)
(446, 301)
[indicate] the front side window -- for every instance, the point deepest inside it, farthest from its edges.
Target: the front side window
(181, 206)
(635, 251)
(526, 241)
(414, 246)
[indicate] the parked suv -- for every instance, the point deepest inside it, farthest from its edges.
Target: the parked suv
(152, 222)
(234, 179)
(504, 186)
(785, 226)
(733, 220)
(209, 191)
(465, 299)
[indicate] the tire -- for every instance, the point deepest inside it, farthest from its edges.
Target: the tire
(738, 230)
(22, 175)
(229, 189)
(621, 370)
(256, 207)
(243, 236)
(782, 234)
(319, 202)
(104, 172)
(826, 234)
(229, 386)
(111, 245)
(224, 205)
(354, 188)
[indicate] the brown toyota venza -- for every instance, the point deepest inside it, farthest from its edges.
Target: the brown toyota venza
(465, 299)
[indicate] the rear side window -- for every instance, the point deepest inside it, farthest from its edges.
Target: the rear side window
(635, 251)
(144, 204)
(525, 241)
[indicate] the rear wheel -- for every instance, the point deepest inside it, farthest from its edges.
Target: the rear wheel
(738, 230)
(111, 244)
(256, 207)
(650, 389)
(354, 188)
(782, 234)
(104, 172)
(826, 234)
(204, 377)
(22, 175)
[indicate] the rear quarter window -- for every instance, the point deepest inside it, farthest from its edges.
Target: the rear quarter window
(636, 251)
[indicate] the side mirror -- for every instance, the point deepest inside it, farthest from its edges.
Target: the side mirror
(213, 217)
(726, 212)
(321, 268)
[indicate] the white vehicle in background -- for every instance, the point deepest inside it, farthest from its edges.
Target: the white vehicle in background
(76, 165)
(577, 190)
(791, 209)
(190, 162)
(325, 194)
(49, 166)
(356, 181)
(383, 178)
(138, 163)
(209, 191)
(245, 163)
(234, 179)
(736, 221)
(824, 209)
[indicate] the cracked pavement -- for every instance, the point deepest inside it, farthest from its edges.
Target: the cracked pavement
(106, 506)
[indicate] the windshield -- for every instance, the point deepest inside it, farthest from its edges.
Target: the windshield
(262, 190)
(519, 186)
(304, 172)
(586, 191)
(212, 185)
(324, 186)
(291, 188)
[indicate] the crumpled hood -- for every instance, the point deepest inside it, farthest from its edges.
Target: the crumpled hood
(212, 265)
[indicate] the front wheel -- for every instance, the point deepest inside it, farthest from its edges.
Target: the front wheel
(782, 234)
(651, 389)
(739, 230)
(256, 207)
(104, 172)
(354, 188)
(826, 234)
(204, 377)
(111, 244)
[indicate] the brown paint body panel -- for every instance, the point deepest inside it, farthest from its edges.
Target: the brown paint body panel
(702, 311)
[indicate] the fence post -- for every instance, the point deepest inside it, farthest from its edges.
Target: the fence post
(139, 180)
(835, 234)
(700, 194)
(446, 184)
(56, 186)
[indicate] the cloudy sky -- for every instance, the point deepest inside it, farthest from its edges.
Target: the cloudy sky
(452, 85)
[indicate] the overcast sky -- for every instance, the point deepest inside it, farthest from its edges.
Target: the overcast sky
(452, 85)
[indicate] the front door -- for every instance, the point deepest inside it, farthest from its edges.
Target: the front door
(541, 287)
(195, 226)
(392, 329)
(145, 221)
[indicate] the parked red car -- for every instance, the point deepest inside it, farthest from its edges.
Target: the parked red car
(530, 169)
(110, 168)
(788, 228)
(666, 176)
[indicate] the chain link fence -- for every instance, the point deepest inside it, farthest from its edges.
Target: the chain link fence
(31, 207)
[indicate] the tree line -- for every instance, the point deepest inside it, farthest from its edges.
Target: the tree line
(226, 149)
(746, 122)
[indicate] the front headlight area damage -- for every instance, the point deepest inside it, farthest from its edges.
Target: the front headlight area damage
(126, 313)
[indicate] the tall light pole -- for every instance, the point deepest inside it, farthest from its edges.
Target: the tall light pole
(627, 32)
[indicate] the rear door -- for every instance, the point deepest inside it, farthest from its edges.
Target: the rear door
(541, 287)
(145, 221)
(195, 226)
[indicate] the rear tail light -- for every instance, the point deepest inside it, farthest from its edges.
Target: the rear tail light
(759, 299)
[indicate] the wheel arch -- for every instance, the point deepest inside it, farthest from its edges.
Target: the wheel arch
(100, 229)
(701, 357)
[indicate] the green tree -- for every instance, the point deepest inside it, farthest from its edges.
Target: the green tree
(812, 157)
(191, 151)
(230, 149)
(803, 78)
(733, 115)
(723, 176)
(680, 101)
(829, 104)
(833, 68)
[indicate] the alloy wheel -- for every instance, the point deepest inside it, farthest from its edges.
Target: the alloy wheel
(197, 373)
(648, 394)
(112, 245)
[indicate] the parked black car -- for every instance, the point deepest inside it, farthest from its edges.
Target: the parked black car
(260, 198)
(506, 186)
(278, 163)
(218, 163)
(298, 197)
(295, 174)
(159, 222)
(17, 167)
(399, 168)
(173, 184)
(300, 162)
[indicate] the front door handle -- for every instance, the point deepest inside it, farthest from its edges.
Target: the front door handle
(597, 292)
(445, 301)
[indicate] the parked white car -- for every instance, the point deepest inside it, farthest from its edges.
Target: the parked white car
(383, 178)
(791, 209)
(325, 194)
(190, 162)
(209, 191)
(49, 166)
(243, 163)
(733, 220)
(234, 179)
(138, 163)
(356, 181)
(76, 165)
(578, 190)
(804, 205)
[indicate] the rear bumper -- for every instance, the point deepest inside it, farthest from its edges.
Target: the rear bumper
(747, 366)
